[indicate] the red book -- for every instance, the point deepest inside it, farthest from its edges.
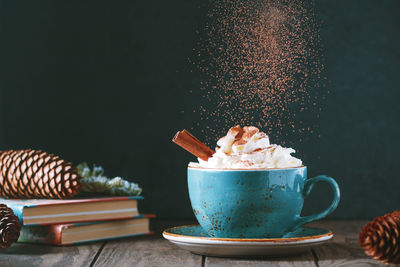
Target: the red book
(68, 234)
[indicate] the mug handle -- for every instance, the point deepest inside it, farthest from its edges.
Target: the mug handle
(308, 186)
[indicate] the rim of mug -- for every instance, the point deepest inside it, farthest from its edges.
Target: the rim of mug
(244, 169)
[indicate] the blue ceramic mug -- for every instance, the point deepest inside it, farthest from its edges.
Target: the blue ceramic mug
(253, 203)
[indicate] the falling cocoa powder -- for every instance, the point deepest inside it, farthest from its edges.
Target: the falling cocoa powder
(260, 60)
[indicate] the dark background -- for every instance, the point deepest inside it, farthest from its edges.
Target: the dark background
(108, 82)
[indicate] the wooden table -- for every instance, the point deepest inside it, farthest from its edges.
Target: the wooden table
(343, 250)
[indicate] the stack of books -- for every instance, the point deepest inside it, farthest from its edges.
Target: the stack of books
(66, 222)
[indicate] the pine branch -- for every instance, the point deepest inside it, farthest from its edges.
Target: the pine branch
(94, 182)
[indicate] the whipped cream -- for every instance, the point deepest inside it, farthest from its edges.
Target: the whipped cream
(248, 148)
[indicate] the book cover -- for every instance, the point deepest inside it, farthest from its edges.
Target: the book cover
(52, 211)
(68, 234)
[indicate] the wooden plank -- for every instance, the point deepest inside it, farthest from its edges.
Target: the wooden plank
(21, 254)
(147, 251)
(344, 249)
(305, 259)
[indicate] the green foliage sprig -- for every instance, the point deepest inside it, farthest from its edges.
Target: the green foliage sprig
(94, 182)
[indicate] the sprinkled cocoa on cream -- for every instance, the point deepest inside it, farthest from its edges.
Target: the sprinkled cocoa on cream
(248, 148)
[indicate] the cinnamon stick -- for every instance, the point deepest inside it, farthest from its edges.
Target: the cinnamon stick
(193, 145)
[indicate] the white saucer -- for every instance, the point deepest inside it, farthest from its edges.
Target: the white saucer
(192, 238)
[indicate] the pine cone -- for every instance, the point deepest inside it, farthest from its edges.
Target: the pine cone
(380, 238)
(36, 174)
(9, 227)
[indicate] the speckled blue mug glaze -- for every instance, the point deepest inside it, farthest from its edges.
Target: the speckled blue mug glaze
(253, 203)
